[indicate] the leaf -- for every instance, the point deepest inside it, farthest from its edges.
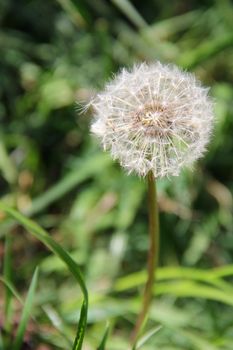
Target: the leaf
(26, 313)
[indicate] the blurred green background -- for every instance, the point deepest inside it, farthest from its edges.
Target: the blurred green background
(54, 56)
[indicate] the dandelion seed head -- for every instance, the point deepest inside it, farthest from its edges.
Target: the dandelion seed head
(153, 117)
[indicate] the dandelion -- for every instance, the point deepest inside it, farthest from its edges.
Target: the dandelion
(154, 119)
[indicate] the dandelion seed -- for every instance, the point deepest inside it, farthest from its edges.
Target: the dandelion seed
(155, 118)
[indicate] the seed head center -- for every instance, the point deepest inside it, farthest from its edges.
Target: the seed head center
(154, 119)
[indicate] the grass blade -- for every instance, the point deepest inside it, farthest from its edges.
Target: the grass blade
(88, 168)
(104, 339)
(11, 288)
(211, 276)
(44, 237)
(76, 12)
(205, 51)
(81, 328)
(130, 11)
(26, 312)
(146, 337)
(7, 273)
(191, 289)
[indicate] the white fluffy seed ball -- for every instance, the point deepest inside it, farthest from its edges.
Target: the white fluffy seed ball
(154, 117)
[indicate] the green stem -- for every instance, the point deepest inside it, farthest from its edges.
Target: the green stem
(152, 259)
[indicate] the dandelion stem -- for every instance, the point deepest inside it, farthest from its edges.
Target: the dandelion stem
(152, 259)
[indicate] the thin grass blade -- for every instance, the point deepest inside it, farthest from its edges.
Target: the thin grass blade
(131, 12)
(7, 273)
(146, 337)
(11, 288)
(102, 345)
(26, 313)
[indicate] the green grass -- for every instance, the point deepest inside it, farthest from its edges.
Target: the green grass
(86, 218)
(18, 341)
